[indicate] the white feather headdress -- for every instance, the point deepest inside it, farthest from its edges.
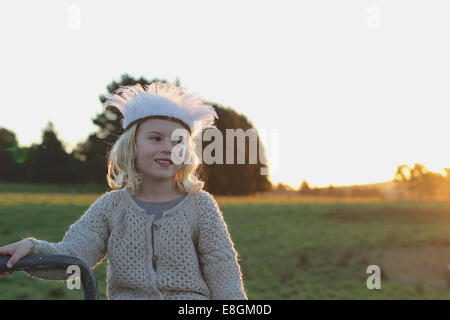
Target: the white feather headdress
(139, 102)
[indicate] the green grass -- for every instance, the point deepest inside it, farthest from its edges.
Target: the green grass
(53, 188)
(286, 251)
(42, 220)
(322, 251)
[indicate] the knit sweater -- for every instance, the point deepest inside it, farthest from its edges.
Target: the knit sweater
(193, 254)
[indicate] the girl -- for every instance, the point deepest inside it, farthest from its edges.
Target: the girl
(165, 237)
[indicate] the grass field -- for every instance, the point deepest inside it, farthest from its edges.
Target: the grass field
(290, 248)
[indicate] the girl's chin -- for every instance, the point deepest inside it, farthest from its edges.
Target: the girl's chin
(160, 173)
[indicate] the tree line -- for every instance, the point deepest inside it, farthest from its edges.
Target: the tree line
(409, 183)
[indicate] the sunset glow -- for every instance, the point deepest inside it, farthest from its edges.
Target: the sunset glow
(353, 92)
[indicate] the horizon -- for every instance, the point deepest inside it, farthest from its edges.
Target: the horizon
(275, 184)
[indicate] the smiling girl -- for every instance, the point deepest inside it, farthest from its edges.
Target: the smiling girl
(165, 237)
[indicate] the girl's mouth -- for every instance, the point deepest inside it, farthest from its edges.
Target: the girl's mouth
(163, 163)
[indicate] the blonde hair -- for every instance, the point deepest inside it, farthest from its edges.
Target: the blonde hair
(122, 171)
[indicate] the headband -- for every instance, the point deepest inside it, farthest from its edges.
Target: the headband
(159, 100)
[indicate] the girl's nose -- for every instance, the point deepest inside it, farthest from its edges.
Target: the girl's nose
(168, 146)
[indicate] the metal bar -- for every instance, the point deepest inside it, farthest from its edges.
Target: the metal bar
(56, 261)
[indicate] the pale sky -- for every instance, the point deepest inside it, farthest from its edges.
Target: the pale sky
(355, 88)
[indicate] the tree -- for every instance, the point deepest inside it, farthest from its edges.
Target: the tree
(49, 162)
(418, 181)
(13, 165)
(235, 179)
(304, 188)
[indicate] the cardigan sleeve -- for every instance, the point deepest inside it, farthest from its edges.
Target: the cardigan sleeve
(217, 255)
(86, 239)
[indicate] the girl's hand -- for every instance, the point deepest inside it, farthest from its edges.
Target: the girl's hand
(17, 251)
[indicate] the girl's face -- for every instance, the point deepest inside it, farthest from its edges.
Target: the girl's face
(153, 142)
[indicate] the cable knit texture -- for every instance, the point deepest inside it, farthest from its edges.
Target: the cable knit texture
(193, 256)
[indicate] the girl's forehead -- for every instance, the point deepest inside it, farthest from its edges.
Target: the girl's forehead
(159, 125)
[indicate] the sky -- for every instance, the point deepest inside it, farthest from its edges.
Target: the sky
(353, 88)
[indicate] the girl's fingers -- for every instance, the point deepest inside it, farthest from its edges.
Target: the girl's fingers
(15, 257)
(8, 249)
(11, 251)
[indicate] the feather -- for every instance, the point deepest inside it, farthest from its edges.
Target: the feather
(139, 101)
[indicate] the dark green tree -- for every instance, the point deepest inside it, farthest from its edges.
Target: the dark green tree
(13, 159)
(234, 179)
(49, 162)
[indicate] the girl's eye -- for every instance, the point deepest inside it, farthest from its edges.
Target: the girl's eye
(180, 140)
(159, 139)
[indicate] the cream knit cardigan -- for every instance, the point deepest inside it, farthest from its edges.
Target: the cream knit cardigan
(193, 251)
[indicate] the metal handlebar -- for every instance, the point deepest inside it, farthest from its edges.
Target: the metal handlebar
(56, 261)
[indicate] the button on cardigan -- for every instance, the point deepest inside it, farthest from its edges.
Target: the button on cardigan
(157, 209)
(195, 256)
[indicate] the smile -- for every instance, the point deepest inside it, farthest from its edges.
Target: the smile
(163, 163)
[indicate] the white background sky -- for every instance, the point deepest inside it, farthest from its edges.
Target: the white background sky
(355, 87)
